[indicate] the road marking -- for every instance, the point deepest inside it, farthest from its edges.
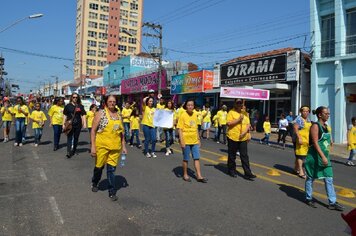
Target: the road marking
(35, 155)
(43, 174)
(56, 212)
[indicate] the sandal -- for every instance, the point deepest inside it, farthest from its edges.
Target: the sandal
(187, 179)
(302, 176)
(203, 180)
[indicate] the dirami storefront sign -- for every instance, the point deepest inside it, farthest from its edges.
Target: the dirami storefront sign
(143, 83)
(254, 94)
(272, 68)
(193, 82)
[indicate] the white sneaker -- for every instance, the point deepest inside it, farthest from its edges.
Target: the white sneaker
(15, 144)
(5, 140)
(20, 144)
(217, 142)
(260, 142)
(350, 163)
(153, 155)
(36, 144)
(148, 155)
(131, 145)
(167, 153)
(238, 153)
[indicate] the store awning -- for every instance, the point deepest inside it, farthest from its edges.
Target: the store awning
(276, 86)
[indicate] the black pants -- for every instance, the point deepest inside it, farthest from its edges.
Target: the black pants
(233, 146)
(73, 134)
(223, 129)
(282, 135)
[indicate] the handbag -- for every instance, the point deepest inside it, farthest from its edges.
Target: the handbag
(68, 126)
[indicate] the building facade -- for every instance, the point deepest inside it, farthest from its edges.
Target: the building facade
(333, 71)
(106, 30)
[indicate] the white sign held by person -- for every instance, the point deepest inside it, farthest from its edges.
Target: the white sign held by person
(163, 118)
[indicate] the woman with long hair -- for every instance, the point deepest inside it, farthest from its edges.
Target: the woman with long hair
(107, 142)
(55, 114)
(317, 162)
(282, 130)
(169, 131)
(21, 112)
(148, 128)
(74, 112)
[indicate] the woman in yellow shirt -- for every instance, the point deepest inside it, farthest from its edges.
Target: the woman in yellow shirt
(351, 142)
(149, 130)
(135, 127)
(21, 112)
(107, 142)
(38, 120)
(55, 114)
(6, 116)
(206, 114)
(189, 140)
(267, 130)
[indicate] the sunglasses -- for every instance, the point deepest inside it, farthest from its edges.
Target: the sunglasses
(75, 97)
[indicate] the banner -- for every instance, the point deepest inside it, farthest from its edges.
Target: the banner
(193, 82)
(143, 83)
(163, 118)
(272, 68)
(253, 94)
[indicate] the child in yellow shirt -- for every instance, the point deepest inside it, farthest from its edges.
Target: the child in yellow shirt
(135, 128)
(38, 120)
(216, 127)
(351, 142)
(267, 130)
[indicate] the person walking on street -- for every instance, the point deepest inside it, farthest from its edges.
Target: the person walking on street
(6, 117)
(238, 135)
(55, 114)
(21, 112)
(206, 114)
(282, 130)
(75, 112)
(125, 115)
(290, 119)
(107, 142)
(190, 141)
(149, 130)
(317, 163)
(169, 131)
(351, 142)
(135, 128)
(222, 114)
(267, 130)
(301, 127)
(38, 121)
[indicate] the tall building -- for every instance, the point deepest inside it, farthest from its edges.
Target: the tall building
(106, 30)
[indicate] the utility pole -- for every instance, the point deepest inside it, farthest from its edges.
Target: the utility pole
(158, 29)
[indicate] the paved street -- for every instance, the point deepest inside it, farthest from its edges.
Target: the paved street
(44, 193)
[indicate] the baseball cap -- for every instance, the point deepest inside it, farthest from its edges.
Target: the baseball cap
(151, 91)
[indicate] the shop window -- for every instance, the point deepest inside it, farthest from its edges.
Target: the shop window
(351, 31)
(328, 36)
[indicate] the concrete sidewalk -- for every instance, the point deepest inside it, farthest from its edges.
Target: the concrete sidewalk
(339, 150)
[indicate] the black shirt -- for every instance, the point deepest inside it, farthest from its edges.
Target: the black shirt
(77, 110)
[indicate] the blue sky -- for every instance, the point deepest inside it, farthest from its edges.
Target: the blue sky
(198, 31)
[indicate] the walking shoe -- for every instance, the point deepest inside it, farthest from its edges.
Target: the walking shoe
(169, 150)
(15, 144)
(310, 203)
(238, 153)
(153, 155)
(139, 146)
(167, 153)
(36, 144)
(260, 142)
(94, 188)
(131, 145)
(113, 197)
(350, 163)
(336, 206)
(20, 144)
(217, 142)
(249, 177)
(148, 155)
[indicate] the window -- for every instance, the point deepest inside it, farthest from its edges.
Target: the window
(351, 31)
(132, 49)
(133, 6)
(124, 13)
(105, 8)
(132, 40)
(123, 21)
(133, 32)
(91, 52)
(328, 36)
(122, 48)
(104, 17)
(103, 26)
(92, 24)
(100, 72)
(93, 6)
(134, 15)
(102, 54)
(93, 15)
(133, 23)
(122, 29)
(92, 34)
(103, 45)
(123, 39)
(91, 62)
(90, 71)
(103, 35)
(101, 63)
(124, 4)
(105, 1)
(91, 43)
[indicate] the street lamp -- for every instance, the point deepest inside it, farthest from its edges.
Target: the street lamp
(20, 20)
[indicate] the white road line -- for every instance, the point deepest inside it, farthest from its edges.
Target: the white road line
(35, 155)
(43, 174)
(55, 210)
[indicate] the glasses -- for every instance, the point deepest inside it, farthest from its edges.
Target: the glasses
(75, 97)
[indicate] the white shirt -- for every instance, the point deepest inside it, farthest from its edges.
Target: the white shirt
(283, 124)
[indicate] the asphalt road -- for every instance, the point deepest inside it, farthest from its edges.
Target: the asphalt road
(44, 193)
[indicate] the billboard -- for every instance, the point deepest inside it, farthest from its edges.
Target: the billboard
(193, 82)
(257, 70)
(143, 83)
(253, 94)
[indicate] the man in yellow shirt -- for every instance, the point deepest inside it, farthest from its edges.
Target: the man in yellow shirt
(222, 115)
(125, 115)
(238, 137)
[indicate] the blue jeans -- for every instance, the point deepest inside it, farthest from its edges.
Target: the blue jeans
(20, 128)
(110, 173)
(169, 137)
(57, 130)
(150, 136)
(352, 153)
(127, 131)
(266, 138)
(329, 188)
(135, 132)
(191, 149)
(38, 135)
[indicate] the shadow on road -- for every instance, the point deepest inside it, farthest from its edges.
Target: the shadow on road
(338, 162)
(223, 168)
(284, 168)
(178, 171)
(120, 182)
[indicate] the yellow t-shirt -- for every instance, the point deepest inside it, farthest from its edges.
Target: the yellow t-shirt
(180, 112)
(56, 113)
(159, 106)
(18, 114)
(189, 126)
(126, 113)
(216, 121)
(207, 115)
(199, 116)
(234, 132)
(267, 127)
(134, 122)
(222, 117)
(90, 117)
(7, 113)
(352, 138)
(147, 118)
(37, 116)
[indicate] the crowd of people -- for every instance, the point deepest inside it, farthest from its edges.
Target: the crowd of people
(111, 127)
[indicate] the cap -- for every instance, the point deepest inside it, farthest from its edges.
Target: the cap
(151, 91)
